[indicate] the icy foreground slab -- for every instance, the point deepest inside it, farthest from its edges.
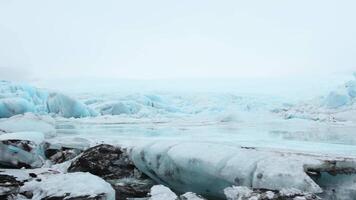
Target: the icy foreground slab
(208, 169)
(75, 184)
(45, 183)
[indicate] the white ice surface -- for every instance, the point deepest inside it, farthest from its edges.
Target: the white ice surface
(237, 192)
(29, 122)
(36, 137)
(76, 184)
(160, 192)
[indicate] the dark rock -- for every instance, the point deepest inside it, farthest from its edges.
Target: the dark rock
(104, 160)
(58, 154)
(63, 155)
(9, 186)
(131, 187)
(27, 194)
(33, 175)
(50, 152)
(114, 165)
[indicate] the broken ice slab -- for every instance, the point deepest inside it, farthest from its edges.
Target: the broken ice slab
(208, 168)
(160, 192)
(29, 122)
(46, 183)
(22, 149)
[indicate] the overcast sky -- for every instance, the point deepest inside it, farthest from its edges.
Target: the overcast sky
(40, 39)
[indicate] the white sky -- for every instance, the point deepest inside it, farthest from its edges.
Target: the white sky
(42, 39)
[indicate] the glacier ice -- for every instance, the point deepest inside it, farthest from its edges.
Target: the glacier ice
(337, 99)
(160, 192)
(339, 105)
(351, 88)
(67, 107)
(35, 137)
(47, 183)
(29, 122)
(208, 169)
(69, 185)
(125, 108)
(22, 149)
(344, 95)
(21, 98)
(13, 106)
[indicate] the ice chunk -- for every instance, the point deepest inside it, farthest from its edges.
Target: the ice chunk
(351, 88)
(20, 98)
(22, 149)
(125, 108)
(337, 99)
(160, 192)
(237, 193)
(190, 196)
(206, 168)
(71, 185)
(29, 122)
(67, 106)
(35, 137)
(14, 106)
(278, 172)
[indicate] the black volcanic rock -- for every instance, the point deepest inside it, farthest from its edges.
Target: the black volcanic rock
(104, 160)
(9, 186)
(114, 165)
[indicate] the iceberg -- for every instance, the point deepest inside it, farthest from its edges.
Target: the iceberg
(125, 108)
(68, 107)
(337, 99)
(351, 88)
(21, 98)
(14, 106)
